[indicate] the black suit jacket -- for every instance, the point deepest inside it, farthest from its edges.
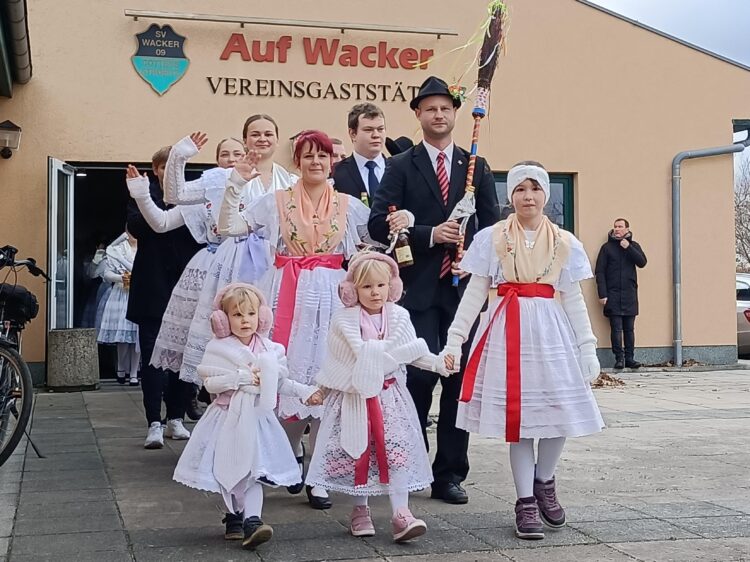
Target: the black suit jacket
(410, 183)
(159, 262)
(347, 179)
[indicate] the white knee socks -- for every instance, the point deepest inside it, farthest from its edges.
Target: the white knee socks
(548, 454)
(524, 468)
(399, 499)
(128, 359)
(254, 500)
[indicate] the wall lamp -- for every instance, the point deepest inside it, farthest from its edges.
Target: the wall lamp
(10, 138)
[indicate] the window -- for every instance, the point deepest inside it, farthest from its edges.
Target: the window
(559, 208)
(743, 291)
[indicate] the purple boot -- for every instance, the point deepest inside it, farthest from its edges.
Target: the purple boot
(549, 508)
(528, 524)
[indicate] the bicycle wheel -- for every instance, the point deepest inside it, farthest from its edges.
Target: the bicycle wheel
(15, 400)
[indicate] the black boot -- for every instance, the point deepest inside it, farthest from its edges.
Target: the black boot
(234, 530)
(256, 532)
(629, 340)
(619, 364)
(193, 410)
(632, 364)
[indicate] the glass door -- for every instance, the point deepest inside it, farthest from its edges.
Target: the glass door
(60, 245)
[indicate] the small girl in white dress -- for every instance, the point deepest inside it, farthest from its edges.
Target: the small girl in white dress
(115, 328)
(239, 442)
(533, 357)
(370, 441)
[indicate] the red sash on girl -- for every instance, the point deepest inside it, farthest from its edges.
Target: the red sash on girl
(376, 436)
(291, 267)
(510, 293)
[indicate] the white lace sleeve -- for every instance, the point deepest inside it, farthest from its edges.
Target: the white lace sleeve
(576, 268)
(179, 192)
(481, 257)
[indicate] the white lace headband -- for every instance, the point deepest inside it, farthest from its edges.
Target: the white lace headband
(526, 172)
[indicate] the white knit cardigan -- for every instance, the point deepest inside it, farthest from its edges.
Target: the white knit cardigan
(358, 368)
(227, 365)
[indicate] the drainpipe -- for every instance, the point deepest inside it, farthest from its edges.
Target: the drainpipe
(739, 125)
(18, 39)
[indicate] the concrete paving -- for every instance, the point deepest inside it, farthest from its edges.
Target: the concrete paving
(667, 481)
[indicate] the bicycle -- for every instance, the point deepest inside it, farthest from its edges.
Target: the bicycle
(18, 306)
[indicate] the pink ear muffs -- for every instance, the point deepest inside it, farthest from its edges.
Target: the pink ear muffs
(347, 290)
(220, 321)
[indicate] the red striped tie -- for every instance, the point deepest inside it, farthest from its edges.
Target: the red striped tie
(442, 176)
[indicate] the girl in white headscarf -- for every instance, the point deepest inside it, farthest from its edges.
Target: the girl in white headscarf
(533, 357)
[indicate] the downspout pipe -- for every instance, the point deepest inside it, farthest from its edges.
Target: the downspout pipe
(18, 40)
(676, 232)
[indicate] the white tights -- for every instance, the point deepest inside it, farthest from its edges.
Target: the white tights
(253, 504)
(399, 499)
(294, 432)
(524, 468)
(128, 360)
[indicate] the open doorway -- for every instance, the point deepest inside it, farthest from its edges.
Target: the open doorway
(100, 200)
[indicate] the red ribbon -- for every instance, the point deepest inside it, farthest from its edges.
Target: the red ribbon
(376, 436)
(510, 293)
(291, 267)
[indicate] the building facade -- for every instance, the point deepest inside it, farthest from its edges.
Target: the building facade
(604, 104)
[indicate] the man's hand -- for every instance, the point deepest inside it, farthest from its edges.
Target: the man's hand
(624, 243)
(397, 221)
(246, 166)
(126, 276)
(603, 301)
(199, 139)
(446, 233)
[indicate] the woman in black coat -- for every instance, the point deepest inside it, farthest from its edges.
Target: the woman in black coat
(617, 284)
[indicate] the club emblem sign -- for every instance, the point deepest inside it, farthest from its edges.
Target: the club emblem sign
(160, 59)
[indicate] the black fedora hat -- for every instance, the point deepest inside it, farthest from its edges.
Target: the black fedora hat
(434, 86)
(399, 145)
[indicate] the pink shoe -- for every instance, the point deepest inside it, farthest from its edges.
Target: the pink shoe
(360, 522)
(406, 526)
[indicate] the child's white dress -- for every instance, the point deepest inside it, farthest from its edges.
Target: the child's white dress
(374, 368)
(556, 400)
(239, 439)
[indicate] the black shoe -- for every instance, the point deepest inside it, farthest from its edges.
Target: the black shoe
(121, 379)
(297, 488)
(234, 530)
(204, 396)
(632, 364)
(256, 532)
(619, 365)
(317, 502)
(450, 493)
(193, 410)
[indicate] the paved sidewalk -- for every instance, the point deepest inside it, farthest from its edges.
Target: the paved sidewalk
(668, 480)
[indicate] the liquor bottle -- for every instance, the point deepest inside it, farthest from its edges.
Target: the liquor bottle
(401, 247)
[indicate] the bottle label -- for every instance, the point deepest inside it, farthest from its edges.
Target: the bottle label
(403, 254)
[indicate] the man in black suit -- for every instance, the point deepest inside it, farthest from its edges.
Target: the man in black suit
(359, 175)
(158, 264)
(428, 180)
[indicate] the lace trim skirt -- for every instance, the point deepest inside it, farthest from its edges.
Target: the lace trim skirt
(408, 463)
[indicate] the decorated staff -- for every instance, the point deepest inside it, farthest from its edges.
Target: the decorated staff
(488, 57)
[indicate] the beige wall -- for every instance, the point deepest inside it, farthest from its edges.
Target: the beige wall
(579, 90)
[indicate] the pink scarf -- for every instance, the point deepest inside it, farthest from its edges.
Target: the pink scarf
(369, 329)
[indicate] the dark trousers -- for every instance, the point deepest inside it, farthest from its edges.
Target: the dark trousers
(158, 384)
(451, 458)
(623, 336)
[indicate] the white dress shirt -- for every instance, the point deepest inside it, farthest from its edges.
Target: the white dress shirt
(365, 172)
(433, 152)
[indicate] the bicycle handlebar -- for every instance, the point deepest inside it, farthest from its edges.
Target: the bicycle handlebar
(8, 258)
